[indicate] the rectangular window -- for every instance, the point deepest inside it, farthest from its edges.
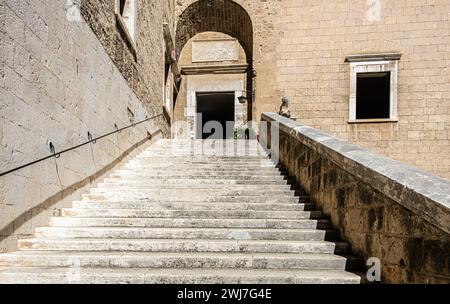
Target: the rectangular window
(126, 16)
(168, 84)
(373, 87)
(373, 95)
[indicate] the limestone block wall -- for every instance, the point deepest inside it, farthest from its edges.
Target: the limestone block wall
(185, 108)
(265, 17)
(299, 51)
(383, 208)
(203, 41)
(142, 65)
(311, 70)
(57, 82)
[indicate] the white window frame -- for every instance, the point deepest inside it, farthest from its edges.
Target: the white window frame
(373, 66)
(130, 33)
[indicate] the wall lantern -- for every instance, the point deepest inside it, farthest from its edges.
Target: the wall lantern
(242, 99)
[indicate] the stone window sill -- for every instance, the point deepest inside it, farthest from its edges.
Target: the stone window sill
(376, 120)
(125, 34)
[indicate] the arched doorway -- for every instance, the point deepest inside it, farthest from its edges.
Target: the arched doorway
(222, 16)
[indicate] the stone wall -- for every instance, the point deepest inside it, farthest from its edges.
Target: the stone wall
(299, 51)
(142, 64)
(217, 79)
(311, 69)
(59, 80)
(383, 208)
(264, 16)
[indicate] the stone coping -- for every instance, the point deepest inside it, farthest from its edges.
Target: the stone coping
(423, 193)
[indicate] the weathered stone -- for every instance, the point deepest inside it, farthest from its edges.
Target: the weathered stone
(385, 209)
(203, 229)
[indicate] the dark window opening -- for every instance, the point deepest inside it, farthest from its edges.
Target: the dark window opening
(122, 6)
(166, 69)
(218, 107)
(373, 95)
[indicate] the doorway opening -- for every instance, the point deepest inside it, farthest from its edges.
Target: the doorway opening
(215, 115)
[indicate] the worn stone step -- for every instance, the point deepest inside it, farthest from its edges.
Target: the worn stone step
(182, 245)
(174, 276)
(132, 177)
(197, 152)
(190, 191)
(202, 160)
(186, 233)
(256, 168)
(194, 206)
(177, 260)
(198, 169)
(193, 185)
(204, 147)
(189, 223)
(194, 161)
(196, 173)
(197, 198)
(195, 181)
(135, 213)
(232, 168)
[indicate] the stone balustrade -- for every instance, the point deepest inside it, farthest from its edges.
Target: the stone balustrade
(384, 208)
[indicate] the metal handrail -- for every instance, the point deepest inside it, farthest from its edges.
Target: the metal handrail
(91, 140)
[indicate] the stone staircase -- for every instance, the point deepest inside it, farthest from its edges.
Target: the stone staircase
(186, 212)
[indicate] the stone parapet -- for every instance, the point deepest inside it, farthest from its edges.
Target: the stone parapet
(384, 208)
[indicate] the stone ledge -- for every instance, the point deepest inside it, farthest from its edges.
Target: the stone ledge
(373, 57)
(215, 69)
(420, 192)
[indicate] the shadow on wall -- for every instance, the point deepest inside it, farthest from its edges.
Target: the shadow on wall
(9, 229)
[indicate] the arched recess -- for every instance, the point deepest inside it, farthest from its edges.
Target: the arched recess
(225, 16)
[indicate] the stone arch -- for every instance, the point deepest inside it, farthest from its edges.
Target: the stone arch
(225, 16)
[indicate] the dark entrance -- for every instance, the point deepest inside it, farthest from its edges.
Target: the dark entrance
(215, 115)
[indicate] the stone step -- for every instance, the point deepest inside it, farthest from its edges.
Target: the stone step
(184, 198)
(203, 147)
(193, 206)
(182, 245)
(196, 173)
(205, 153)
(132, 177)
(195, 196)
(193, 181)
(188, 223)
(193, 192)
(150, 166)
(204, 160)
(177, 260)
(192, 185)
(186, 233)
(46, 275)
(198, 169)
(202, 150)
(139, 213)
